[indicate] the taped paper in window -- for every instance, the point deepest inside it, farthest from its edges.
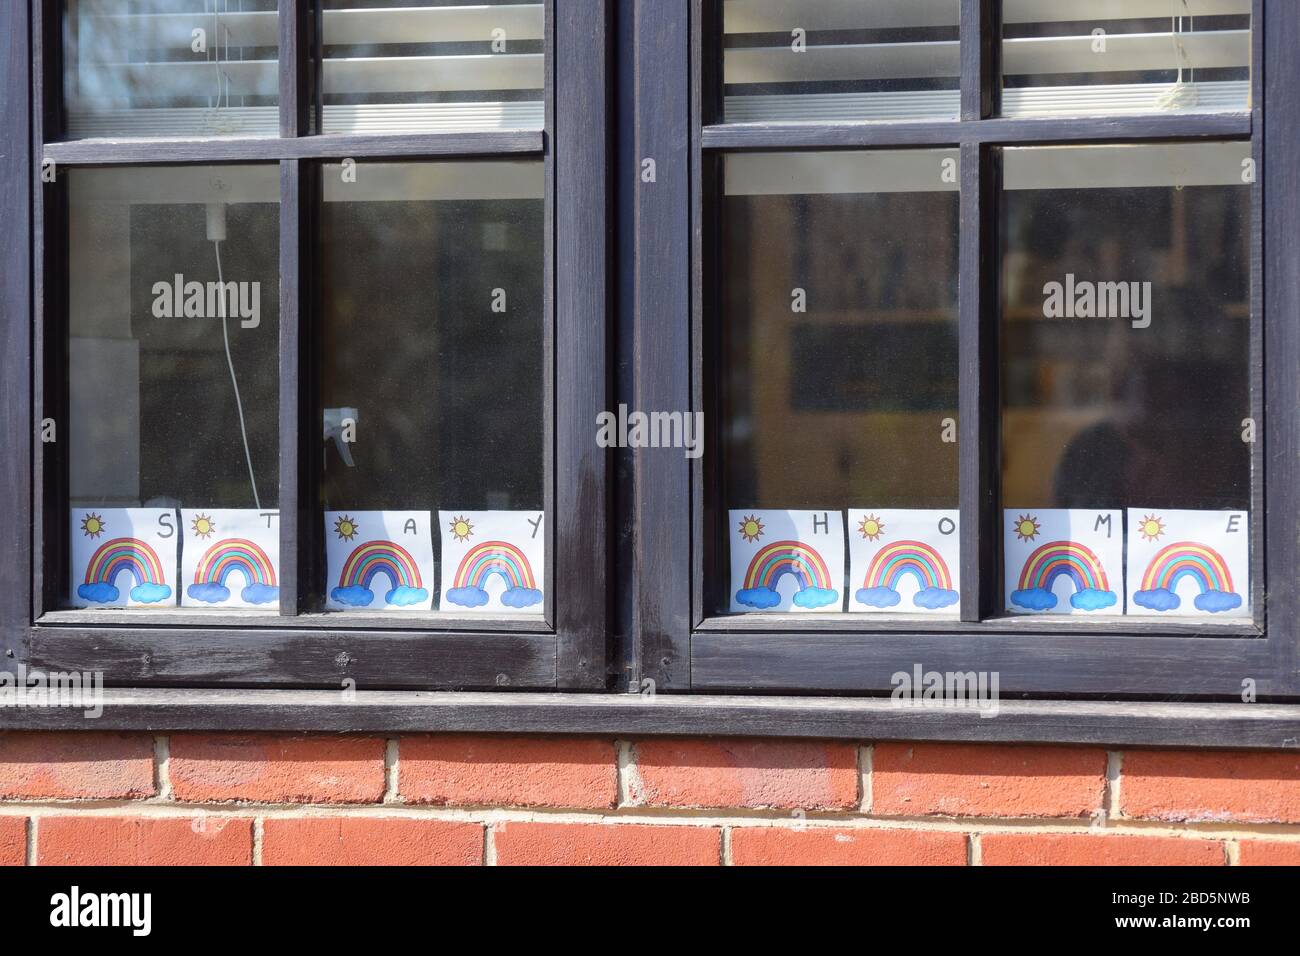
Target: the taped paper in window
(1064, 561)
(123, 557)
(378, 561)
(787, 560)
(230, 557)
(493, 562)
(1188, 563)
(903, 561)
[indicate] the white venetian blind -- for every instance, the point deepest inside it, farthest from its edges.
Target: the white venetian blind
(845, 60)
(210, 67)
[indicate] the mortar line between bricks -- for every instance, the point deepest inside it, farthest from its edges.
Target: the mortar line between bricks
(258, 836)
(974, 851)
(392, 756)
(866, 756)
(486, 816)
(1232, 853)
(489, 845)
(628, 786)
(29, 857)
(1114, 775)
(162, 777)
(724, 848)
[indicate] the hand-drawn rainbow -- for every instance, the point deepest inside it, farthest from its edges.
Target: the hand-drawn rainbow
(893, 562)
(1091, 588)
(787, 557)
(489, 558)
(1187, 559)
(380, 557)
(124, 554)
(226, 557)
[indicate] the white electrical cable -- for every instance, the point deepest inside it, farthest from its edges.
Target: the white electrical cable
(239, 404)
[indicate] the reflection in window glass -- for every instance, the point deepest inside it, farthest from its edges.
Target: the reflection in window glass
(171, 68)
(1106, 57)
(173, 364)
(407, 65)
(1127, 375)
(837, 336)
(829, 60)
(433, 379)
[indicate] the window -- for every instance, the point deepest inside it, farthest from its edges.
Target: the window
(298, 334)
(983, 388)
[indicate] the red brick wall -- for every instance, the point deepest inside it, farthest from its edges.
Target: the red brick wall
(266, 800)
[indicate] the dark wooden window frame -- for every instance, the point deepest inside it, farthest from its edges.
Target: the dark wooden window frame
(683, 647)
(302, 648)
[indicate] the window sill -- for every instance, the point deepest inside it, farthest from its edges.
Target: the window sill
(1239, 726)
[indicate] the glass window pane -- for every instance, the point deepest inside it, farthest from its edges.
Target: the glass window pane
(825, 61)
(173, 394)
(1127, 370)
(433, 385)
(1108, 57)
(171, 68)
(837, 378)
(429, 65)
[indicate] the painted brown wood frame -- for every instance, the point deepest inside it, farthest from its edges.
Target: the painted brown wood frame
(566, 650)
(1127, 658)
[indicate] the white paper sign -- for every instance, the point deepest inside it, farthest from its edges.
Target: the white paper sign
(1188, 563)
(378, 561)
(493, 562)
(787, 560)
(1064, 561)
(230, 557)
(124, 557)
(903, 561)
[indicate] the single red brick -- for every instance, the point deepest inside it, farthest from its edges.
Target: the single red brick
(782, 774)
(264, 768)
(823, 846)
(976, 780)
(1211, 786)
(13, 841)
(92, 840)
(370, 841)
(1268, 853)
(466, 769)
(1085, 849)
(78, 765)
(605, 844)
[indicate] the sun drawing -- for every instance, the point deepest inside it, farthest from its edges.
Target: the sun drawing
(1151, 528)
(871, 527)
(461, 528)
(203, 526)
(1027, 527)
(751, 529)
(92, 525)
(345, 527)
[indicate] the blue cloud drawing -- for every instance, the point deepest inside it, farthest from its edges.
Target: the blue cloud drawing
(260, 594)
(1090, 599)
(355, 596)
(467, 596)
(521, 597)
(934, 598)
(1034, 599)
(1216, 601)
(761, 598)
(210, 593)
(402, 596)
(150, 593)
(1157, 599)
(810, 598)
(878, 597)
(99, 593)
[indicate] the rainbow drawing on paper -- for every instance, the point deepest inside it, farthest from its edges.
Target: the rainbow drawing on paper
(780, 558)
(374, 558)
(125, 554)
(1183, 559)
(489, 558)
(894, 562)
(1091, 587)
(226, 557)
